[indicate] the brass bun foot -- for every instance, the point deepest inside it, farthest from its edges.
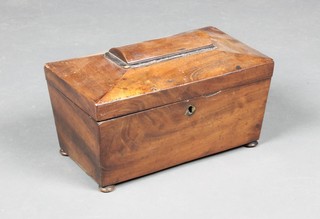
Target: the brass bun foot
(63, 153)
(251, 144)
(107, 189)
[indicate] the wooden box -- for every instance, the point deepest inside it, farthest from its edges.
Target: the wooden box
(145, 107)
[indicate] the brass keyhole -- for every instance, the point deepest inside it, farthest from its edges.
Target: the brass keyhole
(190, 110)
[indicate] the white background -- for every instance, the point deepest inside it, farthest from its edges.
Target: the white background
(278, 179)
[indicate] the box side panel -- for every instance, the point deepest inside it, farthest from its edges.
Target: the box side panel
(78, 133)
(152, 140)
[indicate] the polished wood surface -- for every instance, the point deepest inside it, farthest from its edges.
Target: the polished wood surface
(122, 122)
(105, 90)
(159, 138)
(158, 48)
(78, 134)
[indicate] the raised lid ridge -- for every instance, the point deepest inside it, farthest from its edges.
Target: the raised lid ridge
(161, 49)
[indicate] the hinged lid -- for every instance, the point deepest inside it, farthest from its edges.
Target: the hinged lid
(145, 75)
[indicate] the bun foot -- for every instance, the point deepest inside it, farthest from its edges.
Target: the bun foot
(251, 144)
(107, 189)
(63, 153)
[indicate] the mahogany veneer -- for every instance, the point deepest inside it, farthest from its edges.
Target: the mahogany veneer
(149, 106)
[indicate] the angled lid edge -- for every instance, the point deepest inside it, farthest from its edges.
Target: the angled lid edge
(106, 85)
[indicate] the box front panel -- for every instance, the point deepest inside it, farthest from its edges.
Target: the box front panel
(155, 139)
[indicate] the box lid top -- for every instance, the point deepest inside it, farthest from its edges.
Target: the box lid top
(141, 76)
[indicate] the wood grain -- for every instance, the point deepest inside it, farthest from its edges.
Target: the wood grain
(78, 134)
(157, 48)
(121, 123)
(152, 140)
(100, 87)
